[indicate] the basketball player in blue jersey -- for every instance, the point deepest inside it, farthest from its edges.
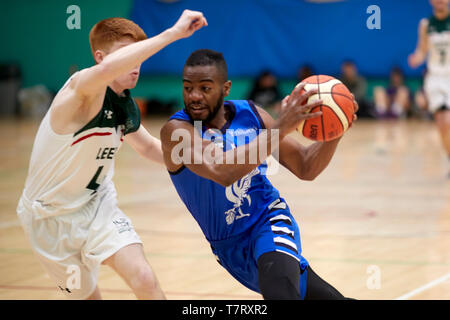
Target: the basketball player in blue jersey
(249, 226)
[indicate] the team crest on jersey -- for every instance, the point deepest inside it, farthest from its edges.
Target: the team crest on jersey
(237, 193)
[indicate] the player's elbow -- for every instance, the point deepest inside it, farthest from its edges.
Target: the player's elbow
(308, 174)
(224, 183)
(224, 180)
(308, 177)
(221, 177)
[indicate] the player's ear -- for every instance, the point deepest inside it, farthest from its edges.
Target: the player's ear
(226, 88)
(99, 55)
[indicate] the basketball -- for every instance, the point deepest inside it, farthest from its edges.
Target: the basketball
(337, 109)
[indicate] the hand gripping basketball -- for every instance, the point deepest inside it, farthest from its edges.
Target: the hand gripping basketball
(338, 108)
(295, 109)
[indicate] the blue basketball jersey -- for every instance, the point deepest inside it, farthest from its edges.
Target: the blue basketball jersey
(224, 212)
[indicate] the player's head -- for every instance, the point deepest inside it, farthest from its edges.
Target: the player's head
(440, 5)
(205, 84)
(111, 34)
(396, 76)
(348, 69)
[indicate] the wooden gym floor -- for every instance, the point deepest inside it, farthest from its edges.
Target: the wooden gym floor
(375, 224)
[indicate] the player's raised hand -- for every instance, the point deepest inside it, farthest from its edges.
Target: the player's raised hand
(415, 60)
(188, 23)
(295, 109)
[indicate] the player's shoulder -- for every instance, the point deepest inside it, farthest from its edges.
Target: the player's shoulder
(240, 103)
(180, 115)
(74, 78)
(424, 23)
(68, 90)
(259, 111)
(78, 78)
(258, 108)
(175, 123)
(239, 106)
(423, 26)
(425, 20)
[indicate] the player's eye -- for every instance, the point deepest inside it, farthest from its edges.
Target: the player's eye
(206, 89)
(188, 89)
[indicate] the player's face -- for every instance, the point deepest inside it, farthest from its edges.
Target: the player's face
(127, 80)
(349, 71)
(203, 91)
(440, 4)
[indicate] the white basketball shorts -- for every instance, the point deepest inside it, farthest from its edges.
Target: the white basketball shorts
(71, 247)
(437, 90)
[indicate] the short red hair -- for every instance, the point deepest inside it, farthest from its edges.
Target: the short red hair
(107, 31)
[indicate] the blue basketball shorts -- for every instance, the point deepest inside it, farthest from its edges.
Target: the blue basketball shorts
(275, 231)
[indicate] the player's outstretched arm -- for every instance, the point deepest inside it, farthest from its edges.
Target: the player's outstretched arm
(420, 54)
(304, 162)
(93, 79)
(182, 144)
(145, 144)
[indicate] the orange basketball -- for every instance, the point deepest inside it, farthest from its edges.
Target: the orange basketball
(337, 109)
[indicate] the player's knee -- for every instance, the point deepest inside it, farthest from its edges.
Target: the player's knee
(144, 279)
(279, 288)
(278, 276)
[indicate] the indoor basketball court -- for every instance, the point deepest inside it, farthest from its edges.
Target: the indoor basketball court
(375, 224)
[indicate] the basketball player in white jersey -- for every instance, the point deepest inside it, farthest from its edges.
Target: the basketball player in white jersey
(68, 207)
(433, 45)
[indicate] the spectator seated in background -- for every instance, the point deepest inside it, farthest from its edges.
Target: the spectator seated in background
(420, 99)
(304, 72)
(265, 92)
(395, 100)
(358, 86)
(421, 102)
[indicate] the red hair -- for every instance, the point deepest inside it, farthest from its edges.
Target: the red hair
(107, 31)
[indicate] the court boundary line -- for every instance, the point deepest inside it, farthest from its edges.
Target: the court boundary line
(425, 287)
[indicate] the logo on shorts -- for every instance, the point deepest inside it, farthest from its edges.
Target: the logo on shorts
(237, 193)
(122, 225)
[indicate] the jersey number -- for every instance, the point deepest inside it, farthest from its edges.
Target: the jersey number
(93, 185)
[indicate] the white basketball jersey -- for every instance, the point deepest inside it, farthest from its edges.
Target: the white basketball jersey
(67, 171)
(438, 31)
